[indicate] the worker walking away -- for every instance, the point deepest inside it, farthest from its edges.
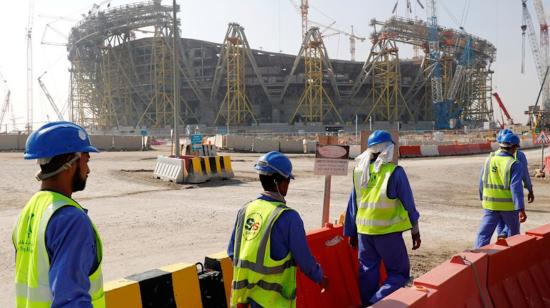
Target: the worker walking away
(501, 191)
(58, 249)
(269, 241)
(380, 207)
(502, 231)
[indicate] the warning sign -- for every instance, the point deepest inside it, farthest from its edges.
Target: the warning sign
(542, 138)
(331, 160)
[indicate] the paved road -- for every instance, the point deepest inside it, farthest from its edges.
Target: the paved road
(146, 223)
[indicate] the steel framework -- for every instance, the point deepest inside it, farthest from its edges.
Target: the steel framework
(115, 80)
(235, 108)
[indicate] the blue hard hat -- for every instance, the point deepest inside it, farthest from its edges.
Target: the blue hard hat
(274, 162)
(56, 138)
(509, 139)
(503, 132)
(379, 136)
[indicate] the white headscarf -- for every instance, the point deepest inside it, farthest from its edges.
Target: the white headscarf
(386, 155)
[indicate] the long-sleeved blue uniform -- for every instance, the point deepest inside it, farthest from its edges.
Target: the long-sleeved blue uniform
(389, 248)
(288, 235)
(71, 247)
(491, 218)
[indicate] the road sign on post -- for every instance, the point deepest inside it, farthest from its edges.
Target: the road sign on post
(330, 159)
(542, 138)
(196, 141)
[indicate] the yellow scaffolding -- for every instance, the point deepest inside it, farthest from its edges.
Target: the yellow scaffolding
(235, 107)
(314, 104)
(386, 97)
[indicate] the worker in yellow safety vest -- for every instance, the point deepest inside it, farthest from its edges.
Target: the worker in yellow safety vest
(380, 208)
(501, 191)
(58, 249)
(268, 241)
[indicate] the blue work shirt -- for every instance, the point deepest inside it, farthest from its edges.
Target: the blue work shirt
(516, 179)
(526, 178)
(288, 235)
(71, 246)
(398, 187)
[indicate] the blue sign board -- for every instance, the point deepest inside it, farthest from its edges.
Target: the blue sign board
(196, 141)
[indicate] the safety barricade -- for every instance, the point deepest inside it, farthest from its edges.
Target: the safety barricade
(462, 149)
(170, 169)
(339, 263)
(429, 150)
(410, 151)
(474, 148)
(197, 171)
(170, 286)
(547, 164)
(446, 150)
(226, 168)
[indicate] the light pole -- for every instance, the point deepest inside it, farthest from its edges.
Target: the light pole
(175, 81)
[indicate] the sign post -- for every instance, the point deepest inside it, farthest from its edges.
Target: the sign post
(330, 159)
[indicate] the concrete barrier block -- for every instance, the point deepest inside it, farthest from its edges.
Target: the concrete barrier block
(291, 146)
(265, 145)
(311, 146)
(239, 143)
(127, 143)
(102, 142)
(11, 142)
(21, 141)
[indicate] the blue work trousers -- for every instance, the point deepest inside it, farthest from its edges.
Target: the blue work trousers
(389, 248)
(490, 221)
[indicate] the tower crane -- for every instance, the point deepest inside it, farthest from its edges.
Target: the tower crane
(6, 103)
(30, 22)
(352, 37)
(540, 62)
(49, 97)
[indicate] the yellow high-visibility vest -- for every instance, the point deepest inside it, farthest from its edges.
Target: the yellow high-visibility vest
(376, 213)
(32, 265)
(256, 276)
(496, 178)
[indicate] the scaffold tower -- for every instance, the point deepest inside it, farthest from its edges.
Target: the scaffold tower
(235, 107)
(315, 105)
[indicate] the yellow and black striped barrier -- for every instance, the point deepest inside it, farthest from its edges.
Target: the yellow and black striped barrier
(205, 168)
(170, 286)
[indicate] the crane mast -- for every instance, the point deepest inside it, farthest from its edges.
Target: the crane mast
(540, 63)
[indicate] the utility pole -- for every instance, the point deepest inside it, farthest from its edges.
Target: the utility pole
(175, 81)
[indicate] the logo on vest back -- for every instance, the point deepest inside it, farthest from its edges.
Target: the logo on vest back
(494, 169)
(252, 226)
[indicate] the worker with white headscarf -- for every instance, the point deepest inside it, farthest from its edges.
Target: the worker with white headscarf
(380, 208)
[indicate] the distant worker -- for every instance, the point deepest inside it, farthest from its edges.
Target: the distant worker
(502, 232)
(58, 249)
(268, 241)
(501, 191)
(380, 207)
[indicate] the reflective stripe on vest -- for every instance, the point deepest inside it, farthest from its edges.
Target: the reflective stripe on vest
(376, 213)
(32, 285)
(256, 276)
(496, 179)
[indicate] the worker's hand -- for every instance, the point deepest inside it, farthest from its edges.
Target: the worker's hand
(522, 216)
(353, 241)
(530, 197)
(324, 284)
(416, 240)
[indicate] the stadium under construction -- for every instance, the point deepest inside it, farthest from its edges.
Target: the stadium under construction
(122, 76)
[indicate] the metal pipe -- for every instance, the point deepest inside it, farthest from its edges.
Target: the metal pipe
(175, 81)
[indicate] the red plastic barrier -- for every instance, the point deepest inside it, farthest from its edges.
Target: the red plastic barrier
(474, 148)
(513, 266)
(485, 147)
(547, 164)
(410, 151)
(446, 150)
(405, 297)
(462, 149)
(340, 264)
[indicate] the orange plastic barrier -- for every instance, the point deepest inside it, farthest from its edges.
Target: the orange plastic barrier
(514, 272)
(410, 151)
(547, 164)
(485, 147)
(474, 148)
(462, 149)
(340, 264)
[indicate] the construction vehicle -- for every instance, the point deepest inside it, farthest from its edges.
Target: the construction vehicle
(504, 112)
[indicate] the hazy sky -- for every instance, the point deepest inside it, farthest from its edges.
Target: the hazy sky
(272, 25)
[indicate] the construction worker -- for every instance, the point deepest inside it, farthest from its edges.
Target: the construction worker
(502, 231)
(501, 191)
(268, 241)
(58, 249)
(380, 208)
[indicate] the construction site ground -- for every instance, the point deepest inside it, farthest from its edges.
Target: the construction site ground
(146, 223)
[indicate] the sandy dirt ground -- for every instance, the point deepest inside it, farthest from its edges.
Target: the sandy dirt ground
(147, 223)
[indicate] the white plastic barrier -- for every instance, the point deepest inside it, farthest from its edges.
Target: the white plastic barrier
(170, 169)
(265, 145)
(429, 150)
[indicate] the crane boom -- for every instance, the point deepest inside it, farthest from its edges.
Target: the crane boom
(539, 10)
(503, 108)
(528, 23)
(433, 45)
(49, 97)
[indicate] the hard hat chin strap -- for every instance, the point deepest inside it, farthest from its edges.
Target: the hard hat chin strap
(43, 176)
